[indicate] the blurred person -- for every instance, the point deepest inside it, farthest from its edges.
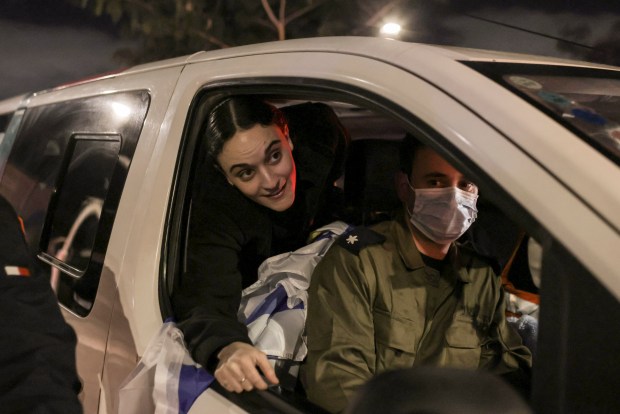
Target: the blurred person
(436, 390)
(37, 346)
(402, 293)
(270, 177)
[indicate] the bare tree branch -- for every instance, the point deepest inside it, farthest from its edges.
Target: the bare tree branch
(211, 39)
(282, 21)
(216, 41)
(269, 12)
(282, 11)
(260, 22)
(279, 24)
(304, 10)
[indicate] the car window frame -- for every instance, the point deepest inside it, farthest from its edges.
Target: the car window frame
(496, 71)
(178, 211)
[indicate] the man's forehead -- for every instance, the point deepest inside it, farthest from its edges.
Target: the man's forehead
(426, 162)
(435, 174)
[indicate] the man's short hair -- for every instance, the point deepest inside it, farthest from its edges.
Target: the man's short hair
(408, 147)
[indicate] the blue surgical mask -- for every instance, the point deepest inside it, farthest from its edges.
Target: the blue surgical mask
(443, 214)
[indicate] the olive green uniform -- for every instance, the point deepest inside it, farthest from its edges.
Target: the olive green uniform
(373, 305)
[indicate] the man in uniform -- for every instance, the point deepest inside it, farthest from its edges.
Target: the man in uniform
(37, 347)
(402, 293)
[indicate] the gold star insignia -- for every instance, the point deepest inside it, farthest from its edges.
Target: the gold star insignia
(352, 239)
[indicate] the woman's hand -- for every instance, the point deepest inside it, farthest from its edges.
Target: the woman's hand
(237, 368)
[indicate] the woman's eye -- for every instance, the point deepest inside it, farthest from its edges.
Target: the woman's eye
(434, 183)
(245, 175)
(275, 156)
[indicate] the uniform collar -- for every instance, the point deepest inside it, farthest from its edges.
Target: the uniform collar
(411, 256)
(405, 245)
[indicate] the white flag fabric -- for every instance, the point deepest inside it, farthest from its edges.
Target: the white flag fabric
(274, 308)
(166, 380)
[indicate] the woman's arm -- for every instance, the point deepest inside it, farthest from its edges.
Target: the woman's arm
(227, 239)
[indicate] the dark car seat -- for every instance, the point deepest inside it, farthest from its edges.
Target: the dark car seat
(369, 186)
(320, 142)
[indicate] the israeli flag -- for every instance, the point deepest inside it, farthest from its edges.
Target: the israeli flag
(166, 380)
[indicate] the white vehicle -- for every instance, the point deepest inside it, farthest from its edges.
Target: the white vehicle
(7, 110)
(101, 173)
(7, 107)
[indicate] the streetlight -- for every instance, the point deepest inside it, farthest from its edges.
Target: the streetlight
(390, 29)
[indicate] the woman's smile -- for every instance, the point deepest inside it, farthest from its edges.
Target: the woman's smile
(278, 192)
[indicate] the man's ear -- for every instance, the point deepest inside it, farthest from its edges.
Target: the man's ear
(403, 190)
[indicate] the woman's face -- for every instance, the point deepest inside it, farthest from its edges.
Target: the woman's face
(258, 161)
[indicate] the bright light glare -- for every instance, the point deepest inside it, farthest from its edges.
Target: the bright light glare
(390, 29)
(120, 110)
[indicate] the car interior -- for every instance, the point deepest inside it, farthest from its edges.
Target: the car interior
(365, 191)
(504, 232)
(68, 186)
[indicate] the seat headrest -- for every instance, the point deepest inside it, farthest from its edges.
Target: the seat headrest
(369, 186)
(318, 134)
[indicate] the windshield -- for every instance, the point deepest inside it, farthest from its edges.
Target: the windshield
(587, 101)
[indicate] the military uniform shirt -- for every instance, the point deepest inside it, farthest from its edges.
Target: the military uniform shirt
(373, 305)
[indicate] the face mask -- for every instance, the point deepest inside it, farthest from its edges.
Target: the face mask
(443, 214)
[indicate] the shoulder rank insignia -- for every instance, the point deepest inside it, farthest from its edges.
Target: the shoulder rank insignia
(358, 238)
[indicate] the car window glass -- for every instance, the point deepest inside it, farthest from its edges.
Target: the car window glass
(64, 175)
(80, 198)
(584, 100)
(592, 105)
(7, 137)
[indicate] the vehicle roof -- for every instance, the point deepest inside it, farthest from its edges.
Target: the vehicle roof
(377, 48)
(9, 105)
(382, 48)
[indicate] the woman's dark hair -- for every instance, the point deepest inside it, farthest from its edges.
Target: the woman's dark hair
(237, 113)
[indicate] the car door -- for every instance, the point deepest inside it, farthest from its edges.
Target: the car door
(65, 176)
(482, 136)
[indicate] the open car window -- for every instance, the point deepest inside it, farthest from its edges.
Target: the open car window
(506, 233)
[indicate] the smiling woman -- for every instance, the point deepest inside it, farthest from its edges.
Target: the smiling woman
(260, 164)
(250, 207)
(257, 160)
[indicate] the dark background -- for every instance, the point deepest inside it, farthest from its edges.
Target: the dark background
(45, 43)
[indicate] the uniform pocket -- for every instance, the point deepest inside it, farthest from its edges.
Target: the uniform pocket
(395, 341)
(463, 342)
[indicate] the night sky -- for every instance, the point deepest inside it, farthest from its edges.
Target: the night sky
(44, 43)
